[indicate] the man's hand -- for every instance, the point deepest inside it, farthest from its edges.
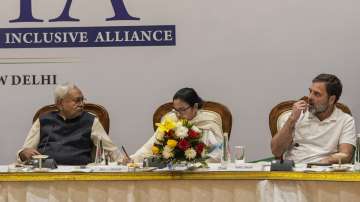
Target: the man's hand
(326, 160)
(124, 161)
(27, 153)
(297, 108)
(344, 157)
(283, 138)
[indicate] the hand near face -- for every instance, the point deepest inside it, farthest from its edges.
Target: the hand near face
(298, 107)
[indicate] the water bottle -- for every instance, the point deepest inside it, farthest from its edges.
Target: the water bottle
(100, 154)
(357, 154)
(225, 154)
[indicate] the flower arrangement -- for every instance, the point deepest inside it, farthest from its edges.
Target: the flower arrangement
(179, 141)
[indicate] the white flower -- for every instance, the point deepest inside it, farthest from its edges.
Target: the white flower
(190, 153)
(168, 152)
(167, 155)
(196, 129)
(179, 123)
(181, 132)
(168, 149)
(159, 135)
(157, 142)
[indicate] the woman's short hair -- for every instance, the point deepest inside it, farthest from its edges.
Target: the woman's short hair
(189, 96)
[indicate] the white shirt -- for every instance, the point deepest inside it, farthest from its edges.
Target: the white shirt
(314, 140)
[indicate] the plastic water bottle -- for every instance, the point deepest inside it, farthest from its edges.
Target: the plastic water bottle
(225, 154)
(357, 154)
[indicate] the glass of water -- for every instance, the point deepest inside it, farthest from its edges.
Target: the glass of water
(239, 155)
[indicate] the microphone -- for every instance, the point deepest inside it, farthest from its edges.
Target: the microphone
(282, 164)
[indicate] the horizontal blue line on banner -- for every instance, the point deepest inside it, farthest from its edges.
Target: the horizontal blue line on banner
(56, 37)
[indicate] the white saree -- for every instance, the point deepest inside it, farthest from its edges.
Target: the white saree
(208, 121)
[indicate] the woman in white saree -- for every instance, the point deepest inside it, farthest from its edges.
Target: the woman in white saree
(188, 105)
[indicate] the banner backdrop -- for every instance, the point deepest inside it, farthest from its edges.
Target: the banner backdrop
(132, 55)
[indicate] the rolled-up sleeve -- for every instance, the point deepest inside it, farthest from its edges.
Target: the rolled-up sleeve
(348, 135)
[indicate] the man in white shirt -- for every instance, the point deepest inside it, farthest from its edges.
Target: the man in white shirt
(316, 131)
(68, 135)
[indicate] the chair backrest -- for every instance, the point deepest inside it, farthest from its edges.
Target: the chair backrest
(287, 106)
(99, 111)
(222, 110)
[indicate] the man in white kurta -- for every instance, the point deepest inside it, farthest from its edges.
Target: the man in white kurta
(68, 134)
(315, 130)
(97, 132)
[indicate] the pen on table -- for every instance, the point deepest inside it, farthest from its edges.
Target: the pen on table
(126, 154)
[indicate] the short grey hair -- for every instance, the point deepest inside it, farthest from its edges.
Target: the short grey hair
(62, 90)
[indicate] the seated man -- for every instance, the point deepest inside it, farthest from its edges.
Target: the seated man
(67, 136)
(315, 131)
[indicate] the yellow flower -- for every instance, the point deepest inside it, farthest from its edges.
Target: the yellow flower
(155, 149)
(167, 125)
(172, 143)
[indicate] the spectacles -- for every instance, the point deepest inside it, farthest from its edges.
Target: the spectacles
(180, 111)
(79, 100)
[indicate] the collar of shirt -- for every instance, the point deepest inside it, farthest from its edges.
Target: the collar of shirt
(333, 117)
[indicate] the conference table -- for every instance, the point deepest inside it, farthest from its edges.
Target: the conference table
(252, 182)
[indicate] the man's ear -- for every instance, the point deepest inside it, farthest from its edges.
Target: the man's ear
(196, 106)
(332, 99)
(59, 105)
